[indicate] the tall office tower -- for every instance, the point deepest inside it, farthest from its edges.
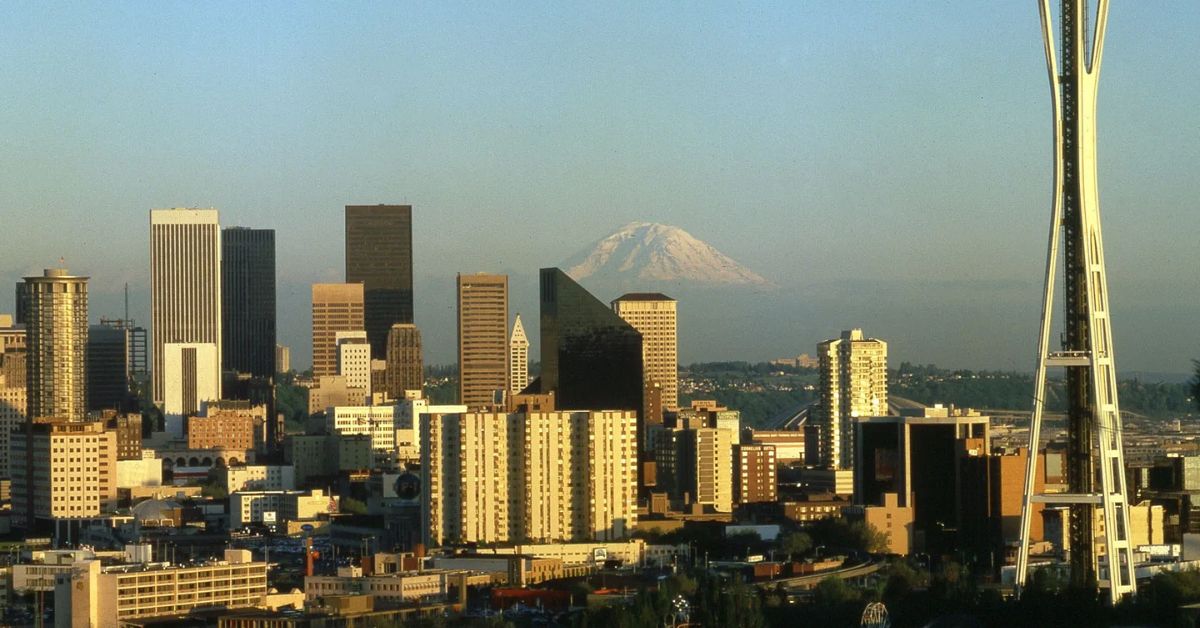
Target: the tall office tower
(591, 358)
(63, 470)
(57, 335)
(108, 368)
(379, 255)
(185, 284)
(541, 476)
(653, 315)
(518, 358)
(853, 384)
(405, 365)
(248, 301)
(188, 372)
(354, 358)
(13, 401)
(335, 307)
(482, 338)
(283, 358)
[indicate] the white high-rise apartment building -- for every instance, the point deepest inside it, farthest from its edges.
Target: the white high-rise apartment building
(354, 358)
(545, 476)
(853, 384)
(518, 358)
(185, 284)
(653, 315)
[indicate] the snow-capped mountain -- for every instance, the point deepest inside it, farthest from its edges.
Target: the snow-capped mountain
(649, 252)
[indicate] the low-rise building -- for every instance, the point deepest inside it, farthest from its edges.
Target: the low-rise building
(92, 595)
(257, 477)
(388, 589)
(270, 507)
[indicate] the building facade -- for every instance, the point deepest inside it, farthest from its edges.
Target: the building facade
(108, 368)
(335, 307)
(354, 358)
(378, 422)
(755, 470)
(518, 358)
(188, 384)
(654, 316)
(92, 595)
(56, 314)
(379, 255)
(591, 358)
(13, 404)
(62, 469)
(547, 476)
(482, 338)
(405, 367)
(853, 384)
(185, 286)
(248, 301)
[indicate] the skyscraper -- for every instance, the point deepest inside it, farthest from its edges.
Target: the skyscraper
(482, 338)
(405, 366)
(653, 315)
(185, 283)
(591, 358)
(379, 255)
(335, 307)
(518, 358)
(853, 384)
(57, 334)
(108, 368)
(248, 301)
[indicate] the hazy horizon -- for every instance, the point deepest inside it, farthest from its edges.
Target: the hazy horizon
(886, 165)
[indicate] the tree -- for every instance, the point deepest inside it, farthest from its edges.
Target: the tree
(795, 544)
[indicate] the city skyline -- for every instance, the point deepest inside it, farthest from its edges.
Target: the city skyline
(743, 135)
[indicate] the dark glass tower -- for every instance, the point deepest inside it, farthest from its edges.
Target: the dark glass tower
(591, 358)
(108, 367)
(379, 254)
(248, 301)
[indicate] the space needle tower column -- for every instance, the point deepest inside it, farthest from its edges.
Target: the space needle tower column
(1095, 469)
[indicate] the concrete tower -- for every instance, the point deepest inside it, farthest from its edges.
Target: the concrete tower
(482, 338)
(853, 384)
(1094, 448)
(653, 315)
(335, 307)
(185, 284)
(56, 320)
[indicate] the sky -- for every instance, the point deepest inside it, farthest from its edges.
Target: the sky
(895, 153)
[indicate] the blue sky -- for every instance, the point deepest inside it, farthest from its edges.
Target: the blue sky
(903, 142)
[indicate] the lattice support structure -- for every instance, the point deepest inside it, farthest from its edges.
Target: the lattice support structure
(1094, 448)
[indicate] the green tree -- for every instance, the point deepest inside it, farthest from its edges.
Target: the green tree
(795, 544)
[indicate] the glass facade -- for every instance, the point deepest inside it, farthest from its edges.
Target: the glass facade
(379, 254)
(591, 358)
(248, 301)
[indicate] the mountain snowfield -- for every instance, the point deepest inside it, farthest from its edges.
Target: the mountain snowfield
(651, 252)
